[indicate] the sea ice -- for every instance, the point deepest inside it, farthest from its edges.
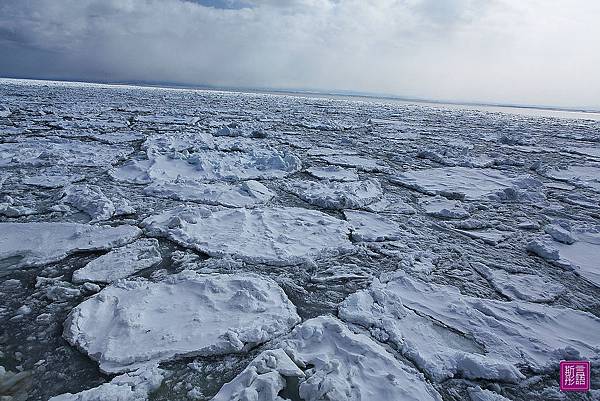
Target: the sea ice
(470, 184)
(280, 236)
(333, 173)
(369, 227)
(439, 206)
(479, 394)
(89, 199)
(337, 195)
(121, 262)
(358, 162)
(579, 250)
(132, 386)
(136, 322)
(585, 176)
(328, 362)
(246, 194)
(514, 333)
(527, 287)
(36, 244)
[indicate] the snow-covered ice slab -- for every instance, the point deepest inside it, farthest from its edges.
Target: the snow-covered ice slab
(279, 236)
(49, 151)
(89, 199)
(579, 250)
(473, 337)
(329, 362)
(333, 173)
(246, 194)
(136, 322)
(358, 162)
(370, 227)
(471, 184)
(121, 262)
(439, 206)
(520, 286)
(132, 386)
(210, 165)
(53, 178)
(36, 244)
(585, 176)
(338, 195)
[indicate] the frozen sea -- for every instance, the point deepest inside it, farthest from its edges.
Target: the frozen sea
(178, 244)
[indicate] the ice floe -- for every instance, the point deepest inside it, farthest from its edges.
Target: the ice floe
(280, 236)
(246, 194)
(89, 199)
(132, 386)
(471, 184)
(323, 360)
(358, 162)
(584, 176)
(527, 287)
(136, 322)
(36, 244)
(447, 333)
(577, 249)
(209, 165)
(439, 206)
(369, 227)
(333, 173)
(121, 262)
(337, 195)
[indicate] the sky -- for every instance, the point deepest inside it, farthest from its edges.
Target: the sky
(541, 52)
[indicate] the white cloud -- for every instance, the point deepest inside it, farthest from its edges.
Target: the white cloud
(535, 51)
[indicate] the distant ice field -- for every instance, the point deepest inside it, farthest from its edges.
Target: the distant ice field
(178, 244)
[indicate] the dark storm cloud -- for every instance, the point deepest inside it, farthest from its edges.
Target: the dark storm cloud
(539, 51)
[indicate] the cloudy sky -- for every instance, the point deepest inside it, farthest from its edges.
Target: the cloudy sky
(506, 51)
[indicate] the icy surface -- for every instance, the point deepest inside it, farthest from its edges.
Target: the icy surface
(280, 236)
(133, 386)
(326, 196)
(36, 244)
(136, 322)
(247, 194)
(331, 363)
(338, 195)
(121, 262)
(479, 337)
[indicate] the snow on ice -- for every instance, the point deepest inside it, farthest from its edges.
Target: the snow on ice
(279, 236)
(137, 322)
(330, 362)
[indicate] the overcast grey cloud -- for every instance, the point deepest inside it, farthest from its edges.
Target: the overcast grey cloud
(535, 51)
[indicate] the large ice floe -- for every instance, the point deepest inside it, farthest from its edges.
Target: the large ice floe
(36, 244)
(209, 165)
(333, 173)
(471, 184)
(577, 249)
(136, 322)
(448, 334)
(246, 194)
(370, 227)
(587, 176)
(131, 386)
(279, 236)
(121, 262)
(323, 360)
(337, 195)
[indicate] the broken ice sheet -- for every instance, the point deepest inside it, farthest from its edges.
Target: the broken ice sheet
(136, 322)
(328, 361)
(121, 262)
(36, 244)
(439, 206)
(246, 194)
(278, 236)
(358, 162)
(587, 176)
(579, 250)
(133, 386)
(471, 184)
(370, 227)
(447, 333)
(527, 287)
(337, 195)
(333, 173)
